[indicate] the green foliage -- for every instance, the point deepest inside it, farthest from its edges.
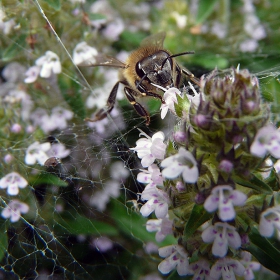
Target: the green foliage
(48, 179)
(198, 217)
(83, 225)
(265, 251)
(55, 4)
(3, 240)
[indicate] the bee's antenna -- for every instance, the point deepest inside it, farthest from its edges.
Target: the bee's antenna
(174, 55)
(143, 78)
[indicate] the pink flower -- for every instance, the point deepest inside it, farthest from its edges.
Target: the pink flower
(175, 256)
(14, 209)
(224, 198)
(182, 163)
(221, 235)
(227, 268)
(266, 140)
(149, 149)
(158, 201)
(13, 181)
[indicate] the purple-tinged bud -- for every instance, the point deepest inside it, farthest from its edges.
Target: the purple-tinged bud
(180, 136)
(16, 128)
(202, 121)
(199, 198)
(180, 186)
(249, 106)
(8, 158)
(244, 239)
(226, 166)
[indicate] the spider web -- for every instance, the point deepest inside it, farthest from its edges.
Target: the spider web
(84, 221)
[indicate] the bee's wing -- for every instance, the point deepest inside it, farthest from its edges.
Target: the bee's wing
(155, 40)
(102, 60)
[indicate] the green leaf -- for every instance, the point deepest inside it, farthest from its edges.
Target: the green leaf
(255, 183)
(211, 61)
(72, 94)
(82, 225)
(46, 178)
(183, 106)
(3, 240)
(198, 217)
(54, 4)
(264, 251)
(130, 40)
(13, 51)
(205, 8)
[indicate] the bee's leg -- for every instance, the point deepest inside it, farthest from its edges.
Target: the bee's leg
(102, 113)
(130, 93)
(152, 94)
(190, 75)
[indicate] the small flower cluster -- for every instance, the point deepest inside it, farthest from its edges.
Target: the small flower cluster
(44, 67)
(225, 139)
(13, 182)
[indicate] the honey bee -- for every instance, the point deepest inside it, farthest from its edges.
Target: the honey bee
(147, 69)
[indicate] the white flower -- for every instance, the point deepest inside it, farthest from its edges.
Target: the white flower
(32, 74)
(57, 120)
(170, 98)
(37, 152)
(249, 265)
(49, 64)
(61, 116)
(13, 181)
(114, 29)
(6, 25)
(277, 166)
(266, 140)
(84, 53)
(150, 176)
(14, 209)
(158, 201)
(58, 150)
(201, 270)
(181, 20)
(149, 149)
(227, 268)
(222, 235)
(175, 256)
(103, 244)
(182, 163)
(224, 198)
(163, 227)
(118, 171)
(270, 220)
(101, 198)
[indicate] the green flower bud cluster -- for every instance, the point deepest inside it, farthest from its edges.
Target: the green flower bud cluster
(223, 125)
